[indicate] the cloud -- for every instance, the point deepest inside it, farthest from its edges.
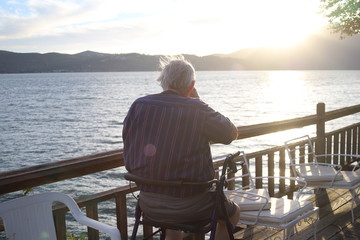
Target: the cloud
(157, 26)
(51, 17)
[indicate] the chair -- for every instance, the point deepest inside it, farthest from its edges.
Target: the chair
(257, 208)
(320, 175)
(198, 227)
(31, 217)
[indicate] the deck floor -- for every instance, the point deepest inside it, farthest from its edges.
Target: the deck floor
(334, 223)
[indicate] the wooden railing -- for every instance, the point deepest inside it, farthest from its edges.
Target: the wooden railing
(345, 140)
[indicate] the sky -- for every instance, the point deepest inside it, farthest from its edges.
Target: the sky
(165, 27)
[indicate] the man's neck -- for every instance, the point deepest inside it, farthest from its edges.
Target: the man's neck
(176, 91)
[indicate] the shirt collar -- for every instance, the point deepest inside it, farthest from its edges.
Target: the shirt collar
(170, 92)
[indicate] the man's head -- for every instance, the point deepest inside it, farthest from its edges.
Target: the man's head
(177, 74)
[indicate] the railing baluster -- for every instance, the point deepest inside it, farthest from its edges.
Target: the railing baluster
(336, 148)
(231, 184)
(348, 145)
(92, 212)
(328, 148)
(271, 167)
(258, 171)
(217, 175)
(354, 140)
(302, 154)
(60, 225)
(245, 180)
(310, 156)
(342, 147)
(148, 230)
(282, 166)
(358, 140)
(121, 214)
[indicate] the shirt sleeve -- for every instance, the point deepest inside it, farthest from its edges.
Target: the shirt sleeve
(218, 128)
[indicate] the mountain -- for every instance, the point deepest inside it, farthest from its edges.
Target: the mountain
(318, 52)
(82, 62)
(89, 61)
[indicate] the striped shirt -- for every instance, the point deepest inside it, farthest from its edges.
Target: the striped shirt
(166, 137)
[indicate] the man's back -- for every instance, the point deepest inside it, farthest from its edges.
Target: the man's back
(167, 138)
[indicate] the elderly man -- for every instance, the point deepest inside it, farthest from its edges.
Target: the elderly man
(166, 137)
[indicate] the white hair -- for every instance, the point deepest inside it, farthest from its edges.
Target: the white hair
(177, 73)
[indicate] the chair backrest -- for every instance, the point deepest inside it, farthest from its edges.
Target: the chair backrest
(29, 217)
(300, 149)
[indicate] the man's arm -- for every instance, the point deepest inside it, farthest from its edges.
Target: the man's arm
(219, 128)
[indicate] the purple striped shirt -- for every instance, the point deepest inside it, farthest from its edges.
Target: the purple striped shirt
(166, 137)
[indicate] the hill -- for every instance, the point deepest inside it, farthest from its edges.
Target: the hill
(318, 52)
(88, 61)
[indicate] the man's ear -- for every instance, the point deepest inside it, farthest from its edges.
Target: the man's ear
(191, 86)
(192, 91)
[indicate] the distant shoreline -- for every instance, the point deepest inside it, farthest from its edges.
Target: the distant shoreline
(317, 54)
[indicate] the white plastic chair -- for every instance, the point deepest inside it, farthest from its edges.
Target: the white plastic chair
(257, 208)
(321, 175)
(31, 217)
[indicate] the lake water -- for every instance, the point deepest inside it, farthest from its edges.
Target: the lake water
(55, 116)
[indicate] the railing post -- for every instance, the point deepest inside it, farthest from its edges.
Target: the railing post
(258, 171)
(271, 168)
(92, 212)
(320, 131)
(231, 184)
(121, 214)
(60, 225)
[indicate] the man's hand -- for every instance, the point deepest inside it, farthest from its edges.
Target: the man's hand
(194, 93)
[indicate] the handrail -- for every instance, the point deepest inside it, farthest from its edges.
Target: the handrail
(56, 171)
(265, 128)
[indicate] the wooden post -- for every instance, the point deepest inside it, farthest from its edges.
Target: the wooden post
(358, 141)
(231, 184)
(258, 171)
(320, 131)
(271, 167)
(92, 212)
(282, 172)
(121, 214)
(60, 225)
(348, 145)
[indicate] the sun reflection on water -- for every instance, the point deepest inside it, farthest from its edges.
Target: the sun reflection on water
(286, 88)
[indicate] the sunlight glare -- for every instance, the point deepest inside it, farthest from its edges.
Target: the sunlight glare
(285, 89)
(278, 23)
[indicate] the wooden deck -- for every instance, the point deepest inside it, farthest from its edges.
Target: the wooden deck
(334, 223)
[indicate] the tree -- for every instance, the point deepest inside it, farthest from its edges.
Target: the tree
(344, 16)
